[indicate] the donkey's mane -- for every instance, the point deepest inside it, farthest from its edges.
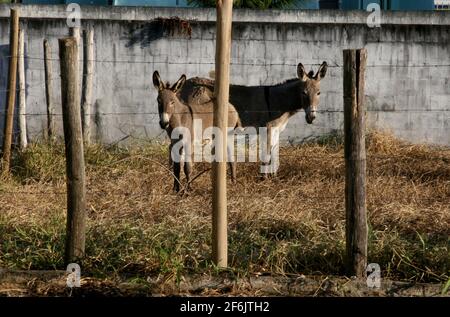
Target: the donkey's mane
(284, 82)
(288, 81)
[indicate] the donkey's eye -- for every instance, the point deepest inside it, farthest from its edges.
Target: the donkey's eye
(318, 94)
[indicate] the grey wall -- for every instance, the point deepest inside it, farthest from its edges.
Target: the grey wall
(407, 92)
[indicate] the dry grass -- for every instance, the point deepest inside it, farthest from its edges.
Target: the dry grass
(291, 224)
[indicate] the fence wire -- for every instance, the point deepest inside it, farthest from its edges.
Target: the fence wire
(154, 113)
(212, 62)
(235, 195)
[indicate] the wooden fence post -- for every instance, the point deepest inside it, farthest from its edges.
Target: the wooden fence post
(49, 90)
(219, 168)
(355, 162)
(11, 95)
(75, 32)
(88, 72)
(22, 97)
(73, 139)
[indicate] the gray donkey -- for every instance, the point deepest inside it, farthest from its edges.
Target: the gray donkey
(270, 106)
(174, 113)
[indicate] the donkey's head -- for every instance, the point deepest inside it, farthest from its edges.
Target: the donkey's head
(167, 98)
(310, 89)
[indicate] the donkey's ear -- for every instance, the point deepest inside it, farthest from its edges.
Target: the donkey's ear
(157, 82)
(301, 72)
(179, 84)
(322, 71)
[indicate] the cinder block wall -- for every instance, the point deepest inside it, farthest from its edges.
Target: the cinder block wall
(407, 76)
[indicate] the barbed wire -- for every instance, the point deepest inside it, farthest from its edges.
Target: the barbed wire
(212, 62)
(153, 113)
(233, 195)
(325, 156)
(28, 86)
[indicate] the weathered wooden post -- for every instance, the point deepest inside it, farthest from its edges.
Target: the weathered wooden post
(22, 97)
(88, 74)
(355, 162)
(73, 139)
(75, 32)
(49, 90)
(219, 168)
(11, 94)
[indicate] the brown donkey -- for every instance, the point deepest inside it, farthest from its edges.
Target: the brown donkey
(175, 114)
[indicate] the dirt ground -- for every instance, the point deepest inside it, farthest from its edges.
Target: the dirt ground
(53, 283)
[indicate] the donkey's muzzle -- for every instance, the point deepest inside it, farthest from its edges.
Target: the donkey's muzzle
(163, 125)
(310, 118)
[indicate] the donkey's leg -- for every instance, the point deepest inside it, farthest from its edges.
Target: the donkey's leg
(188, 172)
(176, 173)
(268, 159)
(233, 171)
(274, 159)
(274, 130)
(170, 154)
(275, 152)
(187, 159)
(231, 161)
(177, 163)
(183, 163)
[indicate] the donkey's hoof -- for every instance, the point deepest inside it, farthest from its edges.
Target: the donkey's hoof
(267, 176)
(184, 192)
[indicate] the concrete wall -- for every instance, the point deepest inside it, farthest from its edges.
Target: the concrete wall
(407, 92)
